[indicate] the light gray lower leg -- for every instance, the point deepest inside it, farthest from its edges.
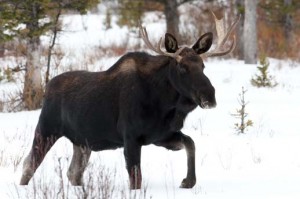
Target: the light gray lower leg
(78, 164)
(28, 170)
(41, 145)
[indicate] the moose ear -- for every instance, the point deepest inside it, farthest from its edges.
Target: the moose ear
(170, 43)
(204, 43)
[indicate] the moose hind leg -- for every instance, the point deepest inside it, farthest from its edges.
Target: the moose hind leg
(78, 164)
(179, 141)
(41, 145)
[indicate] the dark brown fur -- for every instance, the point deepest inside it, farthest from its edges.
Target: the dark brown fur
(140, 100)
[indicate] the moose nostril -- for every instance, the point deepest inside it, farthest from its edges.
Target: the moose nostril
(205, 104)
(208, 104)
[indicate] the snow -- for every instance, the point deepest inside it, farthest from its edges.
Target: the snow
(263, 163)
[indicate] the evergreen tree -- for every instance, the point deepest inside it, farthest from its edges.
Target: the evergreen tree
(130, 12)
(13, 13)
(282, 13)
(263, 79)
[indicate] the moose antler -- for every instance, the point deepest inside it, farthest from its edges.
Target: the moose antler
(222, 38)
(158, 50)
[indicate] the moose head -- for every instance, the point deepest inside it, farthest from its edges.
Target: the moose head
(187, 74)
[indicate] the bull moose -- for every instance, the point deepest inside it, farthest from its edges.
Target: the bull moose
(142, 99)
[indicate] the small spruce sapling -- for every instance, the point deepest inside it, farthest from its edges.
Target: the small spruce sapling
(263, 79)
(241, 114)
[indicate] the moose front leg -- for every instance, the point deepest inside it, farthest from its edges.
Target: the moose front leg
(179, 141)
(132, 153)
(189, 146)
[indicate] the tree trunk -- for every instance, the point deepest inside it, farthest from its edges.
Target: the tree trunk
(33, 89)
(240, 6)
(2, 49)
(288, 25)
(2, 42)
(250, 32)
(172, 18)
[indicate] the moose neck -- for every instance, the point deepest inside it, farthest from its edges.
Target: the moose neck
(163, 80)
(159, 82)
(174, 78)
(185, 104)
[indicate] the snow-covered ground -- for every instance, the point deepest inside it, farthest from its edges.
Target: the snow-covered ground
(263, 163)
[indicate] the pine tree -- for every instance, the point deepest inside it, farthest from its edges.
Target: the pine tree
(263, 79)
(130, 12)
(281, 12)
(29, 13)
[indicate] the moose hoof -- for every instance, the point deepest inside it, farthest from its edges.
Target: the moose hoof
(134, 186)
(24, 181)
(187, 183)
(75, 181)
